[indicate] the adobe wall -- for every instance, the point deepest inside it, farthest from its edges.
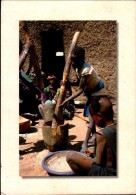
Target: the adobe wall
(98, 38)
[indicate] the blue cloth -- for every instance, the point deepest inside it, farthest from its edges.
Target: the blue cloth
(98, 170)
(25, 76)
(99, 86)
(48, 102)
(86, 108)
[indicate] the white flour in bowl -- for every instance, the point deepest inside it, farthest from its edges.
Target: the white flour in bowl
(58, 163)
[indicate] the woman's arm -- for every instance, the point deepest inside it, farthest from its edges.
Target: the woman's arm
(80, 91)
(100, 145)
(23, 54)
(72, 97)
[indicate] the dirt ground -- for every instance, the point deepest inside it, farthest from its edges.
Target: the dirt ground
(32, 148)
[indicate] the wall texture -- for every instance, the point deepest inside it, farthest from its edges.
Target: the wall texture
(98, 38)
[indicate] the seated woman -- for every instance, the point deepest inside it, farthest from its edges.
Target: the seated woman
(52, 85)
(104, 163)
(48, 99)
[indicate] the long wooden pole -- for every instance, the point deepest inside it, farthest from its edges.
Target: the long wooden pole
(23, 55)
(35, 64)
(58, 119)
(82, 117)
(33, 56)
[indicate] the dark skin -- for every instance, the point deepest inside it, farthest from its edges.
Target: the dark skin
(52, 86)
(23, 54)
(77, 62)
(80, 163)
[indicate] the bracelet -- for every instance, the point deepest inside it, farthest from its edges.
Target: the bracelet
(25, 51)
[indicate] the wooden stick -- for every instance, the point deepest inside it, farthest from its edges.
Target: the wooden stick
(35, 64)
(83, 118)
(58, 111)
(23, 25)
(23, 55)
(33, 55)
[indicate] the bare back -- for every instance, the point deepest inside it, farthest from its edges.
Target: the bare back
(106, 147)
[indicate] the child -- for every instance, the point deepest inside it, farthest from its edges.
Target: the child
(69, 108)
(52, 85)
(104, 163)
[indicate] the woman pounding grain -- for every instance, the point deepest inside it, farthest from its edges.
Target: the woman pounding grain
(89, 83)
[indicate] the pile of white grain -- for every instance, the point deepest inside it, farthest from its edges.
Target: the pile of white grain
(58, 163)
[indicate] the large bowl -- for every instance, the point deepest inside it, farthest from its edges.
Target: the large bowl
(24, 124)
(56, 165)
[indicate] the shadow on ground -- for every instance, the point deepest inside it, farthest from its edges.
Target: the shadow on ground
(38, 147)
(22, 141)
(70, 126)
(76, 146)
(71, 137)
(30, 130)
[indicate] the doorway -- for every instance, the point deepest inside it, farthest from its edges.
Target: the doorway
(53, 59)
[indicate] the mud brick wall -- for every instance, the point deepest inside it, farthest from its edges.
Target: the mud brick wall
(98, 38)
